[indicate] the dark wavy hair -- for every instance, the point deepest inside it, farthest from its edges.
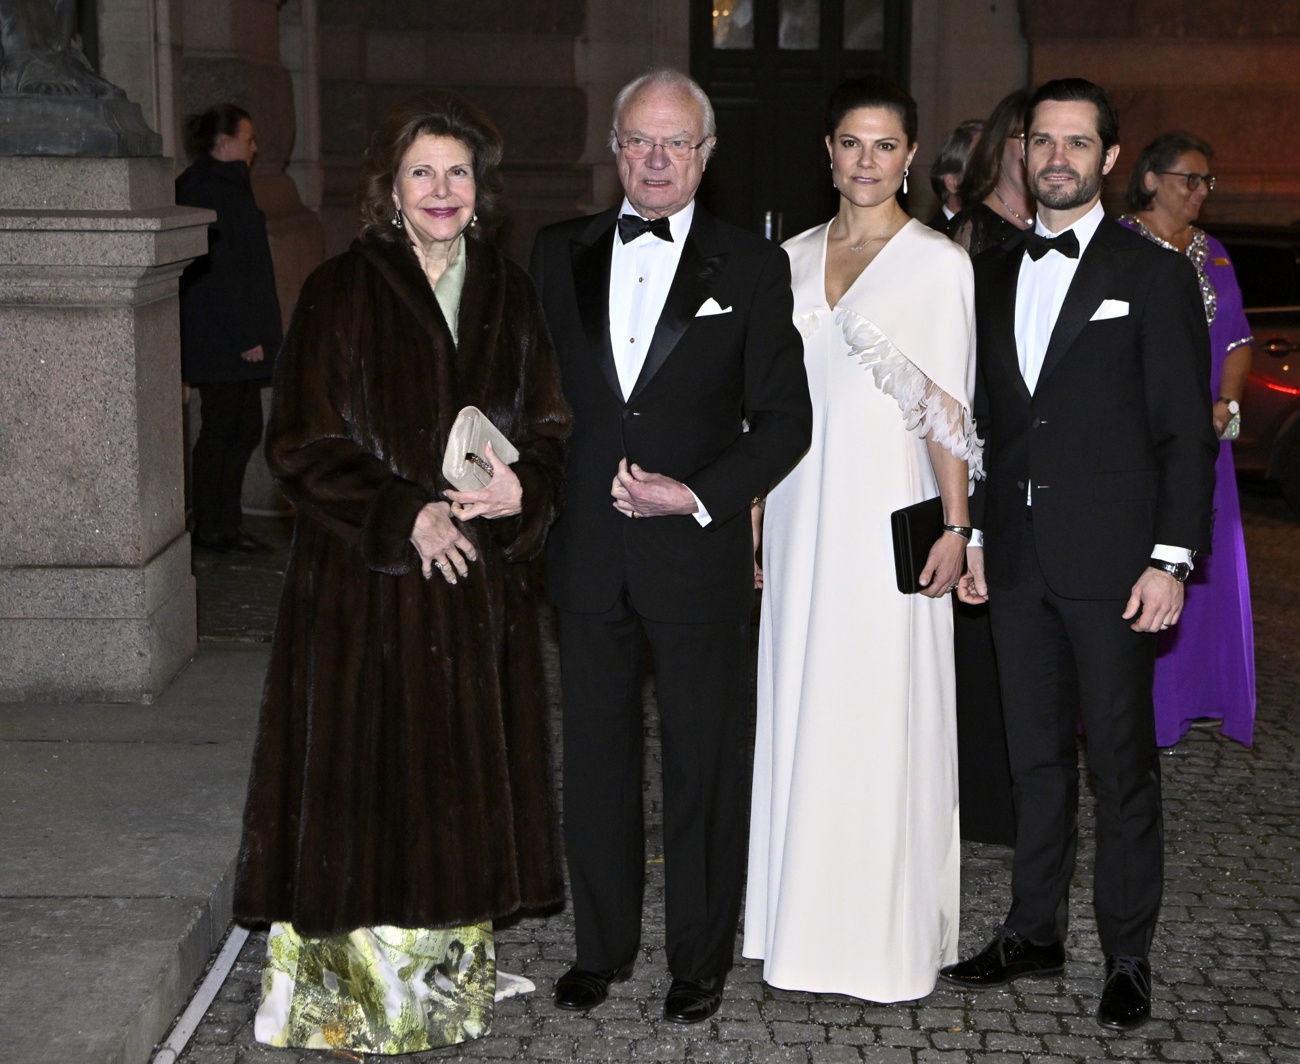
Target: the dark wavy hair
(954, 155)
(870, 91)
(202, 131)
(1159, 155)
(1007, 120)
(443, 114)
(1079, 90)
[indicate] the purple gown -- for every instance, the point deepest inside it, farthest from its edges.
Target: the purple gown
(1206, 663)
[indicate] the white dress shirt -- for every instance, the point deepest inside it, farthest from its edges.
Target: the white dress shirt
(1040, 292)
(640, 274)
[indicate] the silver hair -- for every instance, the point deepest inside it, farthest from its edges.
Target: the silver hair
(667, 77)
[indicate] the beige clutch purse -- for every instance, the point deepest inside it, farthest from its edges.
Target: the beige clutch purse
(463, 463)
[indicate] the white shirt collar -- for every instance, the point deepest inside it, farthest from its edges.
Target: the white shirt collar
(679, 224)
(1084, 227)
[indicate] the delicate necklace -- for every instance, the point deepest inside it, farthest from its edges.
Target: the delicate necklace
(859, 247)
(1014, 213)
(869, 240)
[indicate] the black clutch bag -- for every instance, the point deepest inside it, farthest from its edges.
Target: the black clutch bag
(915, 529)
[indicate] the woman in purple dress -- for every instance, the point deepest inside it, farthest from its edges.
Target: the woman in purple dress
(1206, 665)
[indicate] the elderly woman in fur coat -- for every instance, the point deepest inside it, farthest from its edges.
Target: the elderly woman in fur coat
(400, 797)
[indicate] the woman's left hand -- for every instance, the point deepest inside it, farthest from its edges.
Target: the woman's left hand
(943, 566)
(503, 497)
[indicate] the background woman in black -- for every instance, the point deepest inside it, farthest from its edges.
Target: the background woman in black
(230, 321)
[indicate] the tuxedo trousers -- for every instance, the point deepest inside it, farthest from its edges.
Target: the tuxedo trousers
(702, 688)
(1061, 659)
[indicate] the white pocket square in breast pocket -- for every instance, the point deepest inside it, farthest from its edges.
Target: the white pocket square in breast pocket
(1110, 308)
(710, 306)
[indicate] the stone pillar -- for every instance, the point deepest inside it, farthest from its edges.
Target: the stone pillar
(1227, 72)
(96, 595)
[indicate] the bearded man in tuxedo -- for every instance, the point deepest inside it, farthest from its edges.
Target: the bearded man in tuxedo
(1092, 396)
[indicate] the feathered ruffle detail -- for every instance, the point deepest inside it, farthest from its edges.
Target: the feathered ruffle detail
(807, 324)
(928, 410)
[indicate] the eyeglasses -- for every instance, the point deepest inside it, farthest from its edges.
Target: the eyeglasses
(641, 147)
(1193, 179)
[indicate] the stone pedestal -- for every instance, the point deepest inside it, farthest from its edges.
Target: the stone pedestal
(96, 594)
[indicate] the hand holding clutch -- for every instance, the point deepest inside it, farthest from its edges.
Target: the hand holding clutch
(463, 463)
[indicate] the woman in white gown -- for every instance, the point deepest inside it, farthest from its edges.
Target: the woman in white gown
(853, 853)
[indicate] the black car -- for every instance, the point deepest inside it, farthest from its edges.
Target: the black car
(1267, 262)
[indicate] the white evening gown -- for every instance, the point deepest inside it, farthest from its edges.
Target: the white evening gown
(854, 847)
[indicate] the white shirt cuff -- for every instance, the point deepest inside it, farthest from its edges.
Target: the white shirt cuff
(976, 537)
(701, 511)
(1166, 553)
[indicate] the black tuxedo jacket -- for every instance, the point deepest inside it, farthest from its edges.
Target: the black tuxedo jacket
(1117, 439)
(704, 378)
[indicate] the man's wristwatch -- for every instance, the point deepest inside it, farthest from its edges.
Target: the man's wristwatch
(1180, 571)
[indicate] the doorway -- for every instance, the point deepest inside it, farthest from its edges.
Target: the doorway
(768, 66)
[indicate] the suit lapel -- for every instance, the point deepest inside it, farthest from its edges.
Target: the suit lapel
(1006, 279)
(1085, 294)
(696, 273)
(591, 258)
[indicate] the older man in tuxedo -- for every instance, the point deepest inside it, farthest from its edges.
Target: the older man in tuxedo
(1092, 394)
(689, 397)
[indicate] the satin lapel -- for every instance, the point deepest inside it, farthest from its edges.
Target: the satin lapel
(591, 286)
(696, 273)
(1086, 292)
(1005, 279)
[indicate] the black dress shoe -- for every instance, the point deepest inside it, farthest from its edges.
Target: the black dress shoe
(218, 542)
(1126, 1000)
(1009, 956)
(581, 988)
(693, 1001)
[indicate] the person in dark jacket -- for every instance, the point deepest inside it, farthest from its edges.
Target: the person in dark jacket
(230, 322)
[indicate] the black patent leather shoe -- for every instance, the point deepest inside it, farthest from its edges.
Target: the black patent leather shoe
(1126, 999)
(693, 1001)
(579, 989)
(1009, 956)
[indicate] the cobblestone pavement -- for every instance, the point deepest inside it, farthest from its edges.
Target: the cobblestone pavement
(1226, 956)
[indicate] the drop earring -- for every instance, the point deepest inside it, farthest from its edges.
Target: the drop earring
(905, 172)
(397, 219)
(473, 221)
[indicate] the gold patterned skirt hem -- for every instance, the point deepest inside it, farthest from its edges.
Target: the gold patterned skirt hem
(384, 990)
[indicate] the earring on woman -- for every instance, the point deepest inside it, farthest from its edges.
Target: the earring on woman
(905, 172)
(473, 220)
(397, 219)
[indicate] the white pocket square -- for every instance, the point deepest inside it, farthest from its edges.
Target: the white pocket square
(710, 306)
(1110, 308)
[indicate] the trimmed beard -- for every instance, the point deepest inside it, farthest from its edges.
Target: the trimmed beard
(1065, 198)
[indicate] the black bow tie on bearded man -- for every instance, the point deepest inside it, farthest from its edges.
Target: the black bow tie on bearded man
(630, 226)
(1038, 245)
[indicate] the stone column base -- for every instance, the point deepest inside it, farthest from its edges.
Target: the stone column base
(97, 633)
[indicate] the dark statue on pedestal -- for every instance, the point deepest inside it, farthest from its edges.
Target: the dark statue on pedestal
(51, 100)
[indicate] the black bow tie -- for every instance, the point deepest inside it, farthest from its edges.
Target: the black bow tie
(630, 227)
(1038, 245)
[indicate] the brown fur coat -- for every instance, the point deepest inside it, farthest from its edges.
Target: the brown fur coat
(401, 774)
